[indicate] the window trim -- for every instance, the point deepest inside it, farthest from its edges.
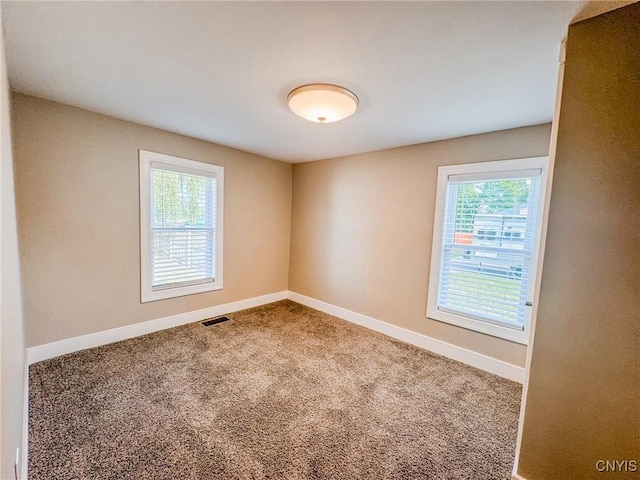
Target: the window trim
(147, 293)
(478, 170)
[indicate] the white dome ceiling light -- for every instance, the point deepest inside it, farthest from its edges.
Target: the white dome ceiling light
(322, 102)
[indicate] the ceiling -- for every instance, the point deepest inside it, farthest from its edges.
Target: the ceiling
(221, 71)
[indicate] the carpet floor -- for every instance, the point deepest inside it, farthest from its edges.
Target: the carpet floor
(279, 392)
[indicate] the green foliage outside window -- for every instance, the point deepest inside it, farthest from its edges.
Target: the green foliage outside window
(478, 198)
(179, 199)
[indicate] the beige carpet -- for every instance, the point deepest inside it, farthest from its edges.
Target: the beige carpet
(279, 392)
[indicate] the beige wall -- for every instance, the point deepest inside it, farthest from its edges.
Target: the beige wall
(361, 235)
(584, 388)
(362, 230)
(12, 357)
(592, 8)
(78, 196)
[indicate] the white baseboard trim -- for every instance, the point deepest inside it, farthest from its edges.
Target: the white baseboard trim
(70, 345)
(24, 453)
(475, 359)
(478, 360)
(515, 476)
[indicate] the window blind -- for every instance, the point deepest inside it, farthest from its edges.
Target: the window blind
(487, 246)
(183, 234)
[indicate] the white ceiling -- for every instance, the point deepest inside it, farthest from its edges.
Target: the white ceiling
(221, 71)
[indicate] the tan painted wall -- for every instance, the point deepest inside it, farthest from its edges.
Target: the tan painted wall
(584, 387)
(362, 229)
(12, 356)
(78, 196)
(592, 8)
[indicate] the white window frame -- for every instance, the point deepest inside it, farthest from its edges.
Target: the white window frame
(147, 292)
(496, 330)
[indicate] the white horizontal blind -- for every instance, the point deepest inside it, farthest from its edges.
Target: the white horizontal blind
(183, 219)
(487, 246)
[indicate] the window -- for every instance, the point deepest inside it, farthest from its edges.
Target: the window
(485, 245)
(181, 211)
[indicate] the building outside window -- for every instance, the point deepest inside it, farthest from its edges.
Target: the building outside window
(485, 245)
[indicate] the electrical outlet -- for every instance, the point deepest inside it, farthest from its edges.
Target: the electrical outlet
(16, 465)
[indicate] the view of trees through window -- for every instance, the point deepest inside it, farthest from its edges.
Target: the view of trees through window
(485, 254)
(183, 236)
(485, 245)
(179, 199)
(488, 198)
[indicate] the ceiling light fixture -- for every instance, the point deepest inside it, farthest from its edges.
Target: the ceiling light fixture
(322, 102)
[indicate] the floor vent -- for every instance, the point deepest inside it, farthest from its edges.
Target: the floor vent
(214, 321)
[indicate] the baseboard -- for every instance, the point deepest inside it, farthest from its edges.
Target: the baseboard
(475, 359)
(24, 453)
(478, 360)
(515, 476)
(70, 345)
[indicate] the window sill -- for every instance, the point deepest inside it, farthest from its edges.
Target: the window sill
(499, 331)
(153, 295)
